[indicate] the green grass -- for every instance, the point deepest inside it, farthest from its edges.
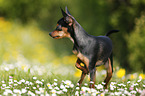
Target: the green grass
(19, 82)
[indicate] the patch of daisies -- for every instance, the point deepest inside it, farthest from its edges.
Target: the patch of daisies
(36, 87)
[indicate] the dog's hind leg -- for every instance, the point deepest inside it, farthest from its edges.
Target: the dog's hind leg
(109, 67)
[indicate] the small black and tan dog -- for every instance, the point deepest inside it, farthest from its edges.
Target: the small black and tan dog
(92, 51)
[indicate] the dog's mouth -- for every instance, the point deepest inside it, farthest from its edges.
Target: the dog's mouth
(56, 37)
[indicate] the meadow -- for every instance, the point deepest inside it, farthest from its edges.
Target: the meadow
(21, 79)
(29, 66)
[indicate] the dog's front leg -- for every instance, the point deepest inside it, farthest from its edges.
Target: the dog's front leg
(83, 69)
(92, 71)
(82, 78)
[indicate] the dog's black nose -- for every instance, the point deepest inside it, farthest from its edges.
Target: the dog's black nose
(50, 33)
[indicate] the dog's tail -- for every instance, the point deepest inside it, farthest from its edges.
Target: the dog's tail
(112, 31)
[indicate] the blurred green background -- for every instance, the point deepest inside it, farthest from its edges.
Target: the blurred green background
(25, 24)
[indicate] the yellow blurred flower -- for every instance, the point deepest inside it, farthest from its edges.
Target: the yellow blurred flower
(142, 76)
(132, 76)
(78, 73)
(120, 73)
(82, 64)
(23, 67)
(102, 94)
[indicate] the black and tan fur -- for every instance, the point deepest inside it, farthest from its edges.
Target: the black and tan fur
(90, 50)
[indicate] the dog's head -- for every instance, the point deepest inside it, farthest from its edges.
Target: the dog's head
(64, 26)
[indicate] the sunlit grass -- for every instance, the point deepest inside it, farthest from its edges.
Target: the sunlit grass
(19, 82)
(22, 79)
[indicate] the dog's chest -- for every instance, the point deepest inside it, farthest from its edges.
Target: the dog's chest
(83, 58)
(75, 51)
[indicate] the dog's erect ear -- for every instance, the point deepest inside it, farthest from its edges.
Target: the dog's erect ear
(66, 10)
(69, 20)
(63, 13)
(67, 17)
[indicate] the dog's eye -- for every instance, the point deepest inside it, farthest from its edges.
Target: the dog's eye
(59, 28)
